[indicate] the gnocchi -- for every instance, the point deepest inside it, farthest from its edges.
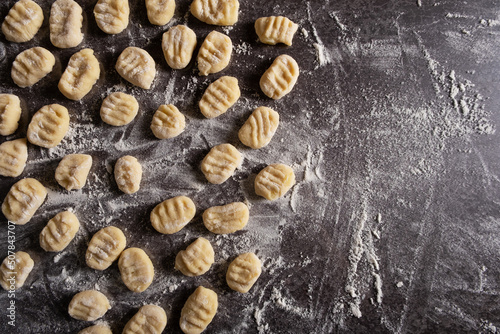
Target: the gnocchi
(216, 12)
(31, 66)
(96, 329)
(220, 163)
(88, 305)
(259, 128)
(280, 77)
(112, 16)
(80, 75)
(72, 171)
(198, 311)
(22, 200)
(227, 218)
(196, 259)
(243, 272)
(136, 269)
(160, 11)
(10, 113)
(23, 21)
(274, 181)
(119, 109)
(178, 45)
(168, 122)
(13, 156)
(59, 232)
(15, 269)
(66, 24)
(215, 53)
(150, 319)
(171, 215)
(48, 126)
(128, 174)
(105, 247)
(137, 67)
(275, 29)
(220, 95)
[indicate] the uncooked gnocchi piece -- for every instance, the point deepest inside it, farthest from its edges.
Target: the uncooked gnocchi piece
(13, 156)
(136, 66)
(136, 269)
(215, 53)
(48, 126)
(15, 269)
(275, 29)
(150, 319)
(96, 329)
(112, 16)
(119, 109)
(59, 231)
(31, 66)
(198, 311)
(221, 95)
(227, 218)
(160, 11)
(72, 171)
(274, 181)
(217, 12)
(259, 128)
(105, 247)
(23, 21)
(66, 24)
(22, 200)
(128, 174)
(88, 305)
(80, 75)
(220, 163)
(10, 113)
(280, 77)
(171, 215)
(178, 45)
(168, 122)
(196, 259)
(243, 272)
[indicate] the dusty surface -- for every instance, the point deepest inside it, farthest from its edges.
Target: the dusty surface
(393, 225)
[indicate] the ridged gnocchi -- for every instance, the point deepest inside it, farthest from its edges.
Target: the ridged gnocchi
(215, 53)
(112, 16)
(96, 329)
(243, 272)
(136, 269)
(66, 24)
(220, 163)
(88, 305)
(10, 113)
(72, 171)
(168, 122)
(13, 156)
(23, 21)
(59, 231)
(80, 75)
(227, 218)
(178, 45)
(275, 29)
(196, 259)
(128, 174)
(171, 215)
(274, 181)
(119, 109)
(220, 95)
(31, 66)
(137, 67)
(198, 311)
(160, 11)
(22, 200)
(280, 77)
(259, 128)
(48, 126)
(15, 269)
(105, 247)
(150, 319)
(217, 12)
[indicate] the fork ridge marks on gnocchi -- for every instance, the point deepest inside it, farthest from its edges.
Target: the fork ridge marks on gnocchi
(150, 319)
(105, 247)
(13, 157)
(275, 29)
(119, 109)
(171, 215)
(80, 75)
(280, 77)
(198, 311)
(88, 305)
(31, 66)
(96, 329)
(220, 95)
(23, 21)
(72, 171)
(168, 122)
(137, 67)
(160, 12)
(220, 163)
(243, 272)
(259, 128)
(215, 53)
(136, 269)
(59, 231)
(216, 12)
(178, 45)
(112, 16)
(66, 24)
(128, 174)
(227, 218)
(10, 113)
(48, 126)
(196, 259)
(21, 265)
(22, 200)
(274, 181)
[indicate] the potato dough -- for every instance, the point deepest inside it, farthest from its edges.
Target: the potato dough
(66, 24)
(22, 200)
(31, 66)
(128, 174)
(168, 122)
(88, 305)
(10, 113)
(96, 329)
(196, 259)
(59, 232)
(136, 269)
(198, 311)
(280, 77)
(220, 163)
(150, 319)
(13, 156)
(80, 75)
(259, 128)
(72, 171)
(275, 29)
(171, 215)
(274, 181)
(15, 269)
(160, 11)
(105, 247)
(119, 109)
(136, 66)
(227, 218)
(215, 53)
(178, 45)
(48, 126)
(243, 272)
(217, 12)
(221, 95)
(111, 16)
(23, 21)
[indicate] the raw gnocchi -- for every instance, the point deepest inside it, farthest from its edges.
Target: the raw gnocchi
(150, 319)
(178, 45)
(112, 16)
(105, 247)
(88, 305)
(220, 95)
(160, 11)
(136, 66)
(59, 231)
(215, 53)
(13, 156)
(227, 218)
(31, 66)
(15, 269)
(23, 21)
(217, 12)
(168, 122)
(10, 113)
(280, 77)
(220, 163)
(136, 269)
(96, 329)
(119, 109)
(48, 126)
(66, 24)
(274, 181)
(275, 29)
(80, 75)
(196, 259)
(128, 174)
(22, 200)
(72, 171)
(171, 215)
(259, 128)
(243, 272)
(198, 311)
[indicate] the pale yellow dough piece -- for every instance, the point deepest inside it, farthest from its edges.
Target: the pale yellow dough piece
(160, 11)
(220, 163)
(227, 218)
(72, 171)
(280, 77)
(22, 200)
(136, 66)
(243, 272)
(80, 75)
(112, 16)
(136, 269)
(259, 128)
(178, 45)
(168, 122)
(31, 66)
(275, 29)
(221, 95)
(196, 259)
(150, 319)
(119, 109)
(171, 215)
(216, 12)
(66, 24)
(105, 247)
(59, 231)
(23, 21)
(96, 329)
(13, 156)
(88, 305)
(19, 263)
(10, 113)
(274, 181)
(215, 53)
(48, 126)
(128, 174)
(198, 311)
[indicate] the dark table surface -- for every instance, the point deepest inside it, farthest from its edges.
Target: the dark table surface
(393, 225)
